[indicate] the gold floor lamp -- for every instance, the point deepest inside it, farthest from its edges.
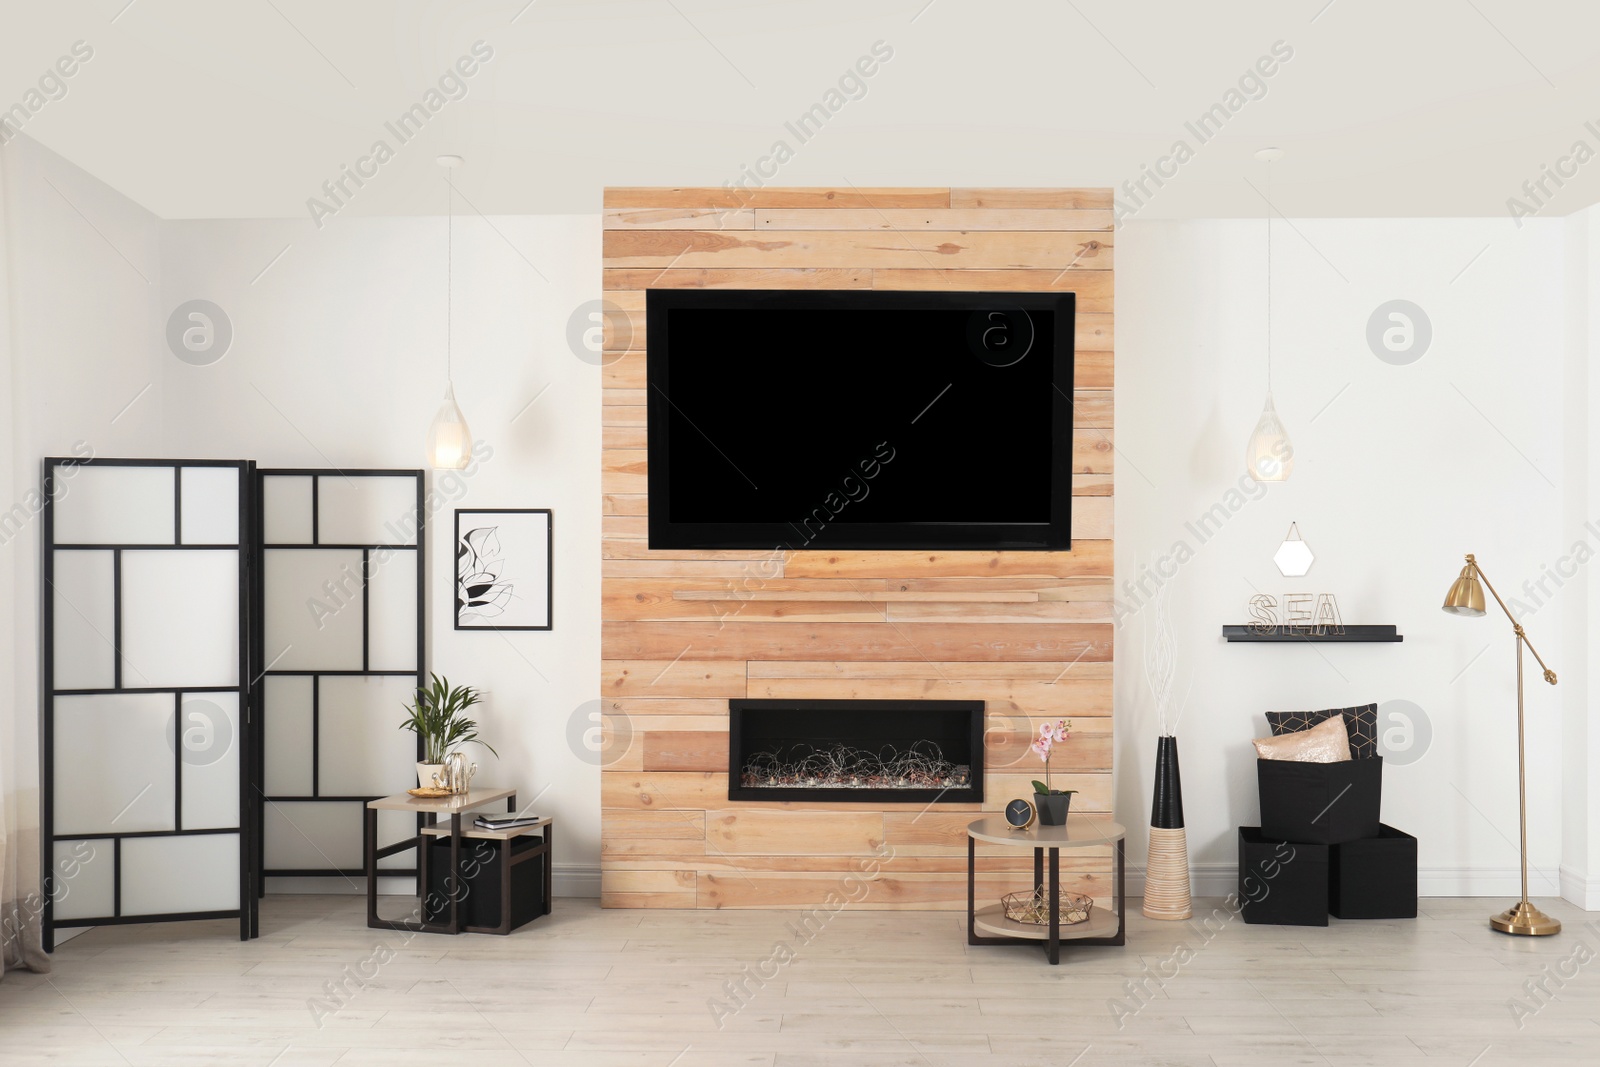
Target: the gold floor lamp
(1466, 598)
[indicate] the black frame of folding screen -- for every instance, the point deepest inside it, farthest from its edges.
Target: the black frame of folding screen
(248, 911)
(252, 766)
(258, 770)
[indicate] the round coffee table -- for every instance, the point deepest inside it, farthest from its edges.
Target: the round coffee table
(989, 926)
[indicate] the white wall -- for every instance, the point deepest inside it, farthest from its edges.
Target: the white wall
(338, 359)
(79, 318)
(19, 776)
(1399, 470)
(1580, 870)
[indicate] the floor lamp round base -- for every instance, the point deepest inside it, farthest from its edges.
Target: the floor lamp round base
(1526, 920)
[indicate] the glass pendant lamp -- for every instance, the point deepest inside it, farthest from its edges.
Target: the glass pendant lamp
(449, 439)
(1268, 455)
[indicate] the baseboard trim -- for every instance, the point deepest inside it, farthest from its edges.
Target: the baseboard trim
(1220, 879)
(388, 885)
(1206, 880)
(1486, 882)
(575, 880)
(1575, 889)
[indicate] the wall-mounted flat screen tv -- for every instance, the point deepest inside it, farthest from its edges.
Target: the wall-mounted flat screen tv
(859, 419)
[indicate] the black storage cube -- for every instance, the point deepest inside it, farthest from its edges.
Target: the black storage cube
(480, 877)
(1320, 803)
(1375, 878)
(1282, 883)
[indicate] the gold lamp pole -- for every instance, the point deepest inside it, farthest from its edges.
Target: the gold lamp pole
(1466, 598)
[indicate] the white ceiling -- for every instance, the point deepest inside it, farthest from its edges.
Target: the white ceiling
(1388, 107)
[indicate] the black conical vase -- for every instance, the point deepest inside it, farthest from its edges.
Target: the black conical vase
(1166, 807)
(1166, 885)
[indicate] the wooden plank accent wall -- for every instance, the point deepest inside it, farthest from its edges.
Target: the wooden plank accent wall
(1030, 633)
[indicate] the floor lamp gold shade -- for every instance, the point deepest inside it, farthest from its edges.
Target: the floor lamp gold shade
(1466, 598)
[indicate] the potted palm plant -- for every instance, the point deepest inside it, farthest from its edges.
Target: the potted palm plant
(1052, 804)
(438, 717)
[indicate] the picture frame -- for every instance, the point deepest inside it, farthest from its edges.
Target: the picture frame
(504, 568)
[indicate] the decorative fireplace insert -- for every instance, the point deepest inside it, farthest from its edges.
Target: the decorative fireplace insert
(856, 750)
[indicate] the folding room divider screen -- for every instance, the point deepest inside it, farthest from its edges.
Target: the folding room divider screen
(225, 655)
(342, 651)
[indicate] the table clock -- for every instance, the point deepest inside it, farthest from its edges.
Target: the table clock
(1021, 814)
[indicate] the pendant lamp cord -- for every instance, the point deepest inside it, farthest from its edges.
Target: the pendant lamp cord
(450, 264)
(1269, 279)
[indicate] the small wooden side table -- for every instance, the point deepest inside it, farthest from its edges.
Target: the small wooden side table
(1081, 831)
(430, 808)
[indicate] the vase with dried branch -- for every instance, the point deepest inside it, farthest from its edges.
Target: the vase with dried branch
(1167, 892)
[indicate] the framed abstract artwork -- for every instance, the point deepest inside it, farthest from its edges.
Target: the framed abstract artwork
(503, 569)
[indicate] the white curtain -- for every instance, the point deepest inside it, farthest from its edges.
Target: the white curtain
(21, 904)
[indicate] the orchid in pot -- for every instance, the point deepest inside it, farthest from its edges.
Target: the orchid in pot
(1052, 804)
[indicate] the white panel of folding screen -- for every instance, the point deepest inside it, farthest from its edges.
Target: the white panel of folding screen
(342, 647)
(145, 581)
(227, 655)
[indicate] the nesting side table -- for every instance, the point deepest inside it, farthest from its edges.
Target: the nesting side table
(430, 808)
(509, 859)
(989, 925)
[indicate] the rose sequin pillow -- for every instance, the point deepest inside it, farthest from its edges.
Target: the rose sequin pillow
(1327, 742)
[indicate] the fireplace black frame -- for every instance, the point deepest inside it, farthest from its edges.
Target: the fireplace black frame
(972, 792)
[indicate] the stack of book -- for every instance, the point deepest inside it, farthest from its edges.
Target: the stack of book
(506, 822)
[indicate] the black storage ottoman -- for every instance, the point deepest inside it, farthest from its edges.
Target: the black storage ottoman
(1375, 878)
(1320, 803)
(483, 878)
(1282, 883)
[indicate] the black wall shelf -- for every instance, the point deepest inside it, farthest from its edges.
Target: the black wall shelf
(1283, 635)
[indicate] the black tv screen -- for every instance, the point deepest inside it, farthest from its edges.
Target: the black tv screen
(859, 419)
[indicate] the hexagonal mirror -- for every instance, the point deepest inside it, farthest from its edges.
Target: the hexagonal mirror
(1294, 556)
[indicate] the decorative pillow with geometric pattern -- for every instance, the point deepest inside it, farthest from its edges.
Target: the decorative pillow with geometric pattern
(1362, 722)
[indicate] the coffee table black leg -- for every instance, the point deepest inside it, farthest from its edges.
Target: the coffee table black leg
(1122, 892)
(1038, 868)
(549, 862)
(972, 890)
(455, 872)
(505, 888)
(369, 851)
(1053, 946)
(424, 884)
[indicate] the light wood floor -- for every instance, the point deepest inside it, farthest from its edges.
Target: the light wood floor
(878, 989)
